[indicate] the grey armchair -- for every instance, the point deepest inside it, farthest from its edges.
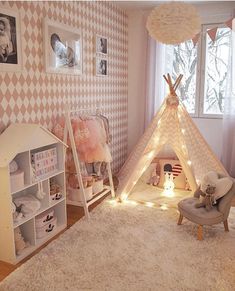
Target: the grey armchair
(219, 213)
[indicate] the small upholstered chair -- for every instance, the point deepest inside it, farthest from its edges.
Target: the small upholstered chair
(219, 213)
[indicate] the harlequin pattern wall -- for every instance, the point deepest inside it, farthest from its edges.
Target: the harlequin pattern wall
(34, 96)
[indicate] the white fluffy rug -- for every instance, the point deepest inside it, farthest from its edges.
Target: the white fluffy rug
(143, 192)
(131, 247)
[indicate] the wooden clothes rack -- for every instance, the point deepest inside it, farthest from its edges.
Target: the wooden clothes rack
(84, 203)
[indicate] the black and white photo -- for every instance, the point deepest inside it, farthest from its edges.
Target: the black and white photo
(101, 45)
(62, 48)
(10, 42)
(101, 67)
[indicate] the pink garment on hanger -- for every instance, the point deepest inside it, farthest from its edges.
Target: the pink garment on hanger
(90, 140)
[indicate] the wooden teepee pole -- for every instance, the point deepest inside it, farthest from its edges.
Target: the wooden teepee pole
(173, 87)
(164, 76)
(177, 82)
(170, 82)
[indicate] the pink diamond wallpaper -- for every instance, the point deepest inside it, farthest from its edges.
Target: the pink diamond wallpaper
(34, 96)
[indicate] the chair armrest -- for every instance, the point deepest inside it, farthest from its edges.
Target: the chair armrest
(225, 202)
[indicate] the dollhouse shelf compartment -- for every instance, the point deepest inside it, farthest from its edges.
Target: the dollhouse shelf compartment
(19, 142)
(41, 210)
(26, 252)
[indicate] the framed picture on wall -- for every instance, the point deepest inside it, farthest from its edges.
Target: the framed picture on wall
(101, 67)
(62, 48)
(10, 40)
(101, 45)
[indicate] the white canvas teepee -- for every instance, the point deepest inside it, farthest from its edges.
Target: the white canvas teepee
(171, 126)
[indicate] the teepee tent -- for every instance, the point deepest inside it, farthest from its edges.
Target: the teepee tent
(171, 126)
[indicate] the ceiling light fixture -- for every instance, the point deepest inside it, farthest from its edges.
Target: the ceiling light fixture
(173, 23)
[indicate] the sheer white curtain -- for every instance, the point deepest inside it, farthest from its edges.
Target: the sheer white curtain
(155, 84)
(228, 154)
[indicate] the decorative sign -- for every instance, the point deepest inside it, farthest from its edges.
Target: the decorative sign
(44, 162)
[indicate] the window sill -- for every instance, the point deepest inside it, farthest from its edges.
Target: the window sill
(207, 117)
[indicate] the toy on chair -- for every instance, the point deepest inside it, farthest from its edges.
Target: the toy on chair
(224, 188)
(208, 198)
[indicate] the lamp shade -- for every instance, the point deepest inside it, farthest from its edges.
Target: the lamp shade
(173, 23)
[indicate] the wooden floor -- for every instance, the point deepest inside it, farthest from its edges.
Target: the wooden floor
(74, 213)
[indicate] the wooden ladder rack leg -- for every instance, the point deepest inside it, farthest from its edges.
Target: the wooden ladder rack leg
(84, 203)
(111, 180)
(77, 165)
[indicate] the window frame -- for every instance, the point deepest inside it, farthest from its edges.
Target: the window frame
(201, 73)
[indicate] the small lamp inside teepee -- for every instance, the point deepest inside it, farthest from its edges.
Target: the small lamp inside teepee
(173, 23)
(168, 185)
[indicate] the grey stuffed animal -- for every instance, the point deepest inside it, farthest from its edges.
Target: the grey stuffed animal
(207, 198)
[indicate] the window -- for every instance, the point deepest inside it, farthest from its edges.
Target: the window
(216, 71)
(205, 69)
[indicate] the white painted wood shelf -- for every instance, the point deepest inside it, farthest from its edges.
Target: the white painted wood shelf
(20, 142)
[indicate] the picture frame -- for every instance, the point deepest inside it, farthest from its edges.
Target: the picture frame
(101, 67)
(62, 48)
(10, 40)
(101, 45)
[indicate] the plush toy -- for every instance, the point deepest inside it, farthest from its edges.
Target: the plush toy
(154, 179)
(187, 186)
(20, 243)
(27, 204)
(155, 175)
(207, 197)
(13, 166)
(16, 212)
(54, 187)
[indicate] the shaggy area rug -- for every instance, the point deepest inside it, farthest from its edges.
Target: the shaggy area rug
(131, 247)
(143, 192)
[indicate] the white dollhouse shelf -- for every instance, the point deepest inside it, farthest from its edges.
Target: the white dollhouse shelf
(19, 142)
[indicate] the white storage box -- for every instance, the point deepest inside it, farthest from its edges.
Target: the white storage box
(55, 197)
(97, 187)
(17, 180)
(47, 229)
(75, 194)
(44, 218)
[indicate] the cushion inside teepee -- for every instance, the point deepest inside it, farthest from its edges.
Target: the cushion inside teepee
(173, 166)
(165, 161)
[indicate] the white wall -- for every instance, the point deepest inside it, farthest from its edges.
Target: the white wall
(211, 129)
(136, 76)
